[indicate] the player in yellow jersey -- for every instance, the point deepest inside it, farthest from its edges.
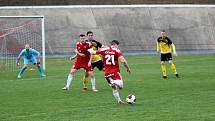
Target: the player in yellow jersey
(96, 61)
(165, 47)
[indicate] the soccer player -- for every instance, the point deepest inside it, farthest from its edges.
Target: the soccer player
(96, 59)
(111, 55)
(28, 54)
(83, 61)
(165, 47)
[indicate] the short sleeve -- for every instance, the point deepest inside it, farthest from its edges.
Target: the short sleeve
(169, 41)
(119, 54)
(158, 40)
(98, 44)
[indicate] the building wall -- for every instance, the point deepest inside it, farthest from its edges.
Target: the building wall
(99, 2)
(136, 28)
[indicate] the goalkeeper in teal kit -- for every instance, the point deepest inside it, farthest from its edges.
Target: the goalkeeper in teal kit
(29, 56)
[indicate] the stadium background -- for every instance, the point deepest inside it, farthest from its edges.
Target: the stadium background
(190, 28)
(188, 98)
(99, 2)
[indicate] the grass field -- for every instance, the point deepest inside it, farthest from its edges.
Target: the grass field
(188, 98)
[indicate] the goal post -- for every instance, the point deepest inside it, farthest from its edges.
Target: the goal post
(15, 32)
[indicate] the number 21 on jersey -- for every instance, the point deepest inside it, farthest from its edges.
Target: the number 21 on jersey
(110, 59)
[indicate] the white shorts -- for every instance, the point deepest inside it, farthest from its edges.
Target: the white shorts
(119, 83)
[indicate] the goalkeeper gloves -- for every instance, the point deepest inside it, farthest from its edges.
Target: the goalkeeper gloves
(38, 61)
(17, 63)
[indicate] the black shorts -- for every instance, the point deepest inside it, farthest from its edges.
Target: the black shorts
(166, 57)
(98, 64)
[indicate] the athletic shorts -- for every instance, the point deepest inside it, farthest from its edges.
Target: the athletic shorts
(166, 57)
(33, 60)
(117, 79)
(98, 64)
(114, 76)
(119, 83)
(78, 66)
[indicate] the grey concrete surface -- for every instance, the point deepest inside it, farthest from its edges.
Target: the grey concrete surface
(136, 28)
(99, 2)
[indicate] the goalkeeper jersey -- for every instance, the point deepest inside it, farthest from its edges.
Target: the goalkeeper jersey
(28, 54)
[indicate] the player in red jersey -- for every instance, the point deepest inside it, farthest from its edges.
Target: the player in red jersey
(111, 55)
(83, 61)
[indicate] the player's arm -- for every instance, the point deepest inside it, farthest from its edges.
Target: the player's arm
(19, 56)
(90, 61)
(158, 49)
(172, 46)
(81, 54)
(91, 55)
(124, 62)
(174, 49)
(73, 57)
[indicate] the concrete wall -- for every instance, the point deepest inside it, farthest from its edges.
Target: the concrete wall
(99, 2)
(136, 28)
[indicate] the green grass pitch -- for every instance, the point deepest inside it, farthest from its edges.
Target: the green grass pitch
(188, 98)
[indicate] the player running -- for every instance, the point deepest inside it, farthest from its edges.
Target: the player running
(28, 54)
(165, 46)
(83, 61)
(110, 56)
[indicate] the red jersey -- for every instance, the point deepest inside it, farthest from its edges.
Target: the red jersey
(83, 48)
(110, 57)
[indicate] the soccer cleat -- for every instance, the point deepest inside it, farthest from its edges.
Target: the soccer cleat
(177, 75)
(18, 76)
(43, 75)
(120, 102)
(95, 90)
(65, 88)
(164, 77)
(84, 89)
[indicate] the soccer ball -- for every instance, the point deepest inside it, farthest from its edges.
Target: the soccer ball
(131, 99)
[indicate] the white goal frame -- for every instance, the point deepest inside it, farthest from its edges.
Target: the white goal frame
(43, 34)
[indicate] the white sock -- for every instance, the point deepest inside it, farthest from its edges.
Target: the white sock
(116, 95)
(69, 80)
(93, 82)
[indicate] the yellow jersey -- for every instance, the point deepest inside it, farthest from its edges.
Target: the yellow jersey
(165, 45)
(95, 46)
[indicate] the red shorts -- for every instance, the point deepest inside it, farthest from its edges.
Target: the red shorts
(114, 76)
(77, 66)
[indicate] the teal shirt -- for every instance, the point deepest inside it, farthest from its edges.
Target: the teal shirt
(28, 54)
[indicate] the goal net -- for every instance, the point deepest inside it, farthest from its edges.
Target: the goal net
(15, 32)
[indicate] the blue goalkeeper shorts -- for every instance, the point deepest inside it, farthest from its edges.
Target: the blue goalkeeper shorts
(33, 60)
